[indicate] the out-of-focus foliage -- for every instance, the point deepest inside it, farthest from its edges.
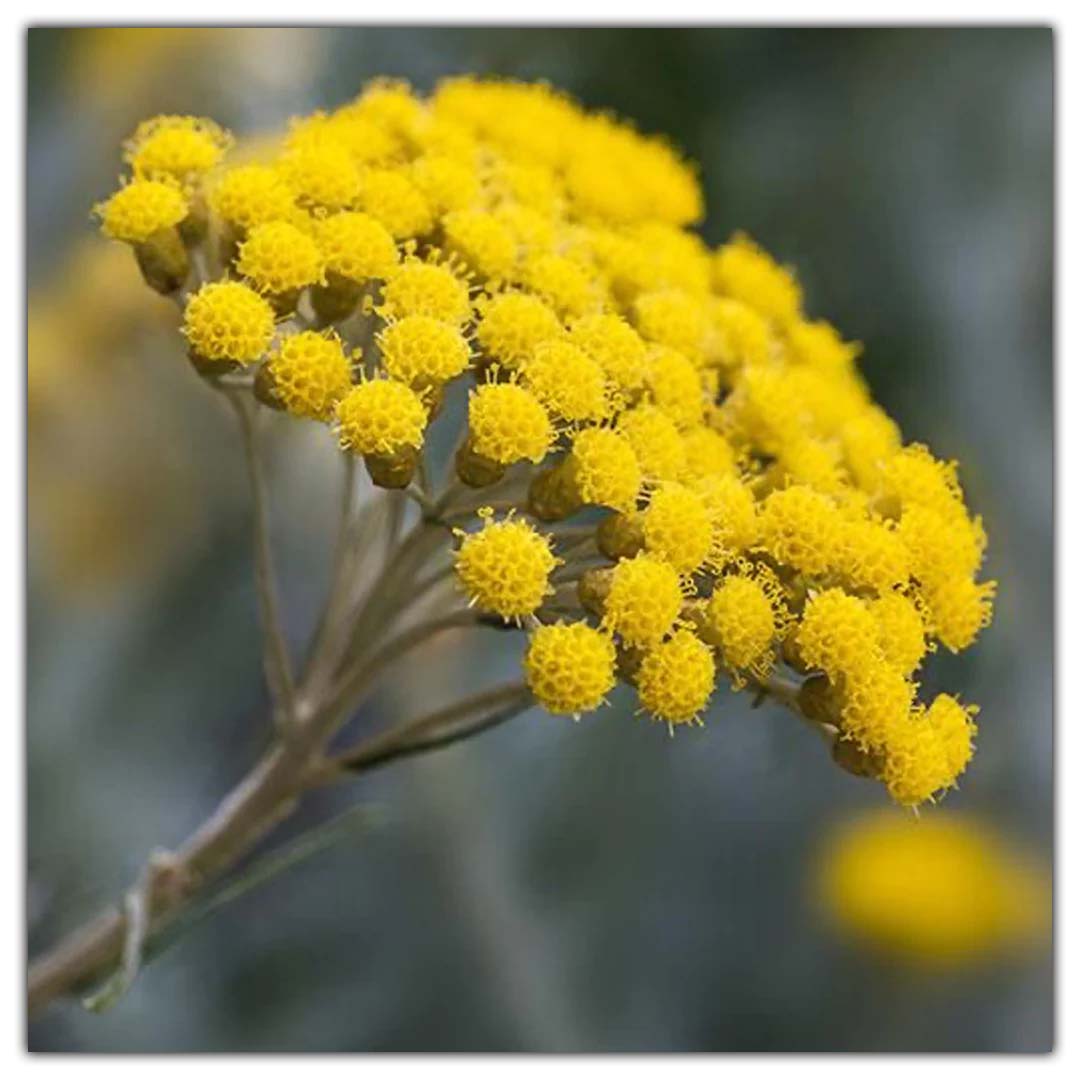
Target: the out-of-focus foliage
(600, 887)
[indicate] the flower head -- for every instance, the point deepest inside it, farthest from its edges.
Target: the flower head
(569, 667)
(356, 246)
(140, 209)
(226, 320)
(423, 351)
(278, 257)
(676, 678)
(250, 195)
(179, 146)
(504, 567)
(381, 416)
(508, 424)
(644, 600)
(310, 373)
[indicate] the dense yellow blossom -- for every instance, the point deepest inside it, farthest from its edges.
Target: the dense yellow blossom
(278, 257)
(677, 526)
(676, 678)
(605, 469)
(250, 195)
(701, 449)
(504, 567)
(644, 600)
(310, 373)
(141, 208)
(569, 667)
(179, 146)
(507, 424)
(355, 246)
(381, 416)
(943, 891)
(226, 320)
(423, 351)
(567, 381)
(424, 288)
(512, 324)
(743, 619)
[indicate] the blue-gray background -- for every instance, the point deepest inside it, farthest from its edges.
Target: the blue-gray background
(557, 886)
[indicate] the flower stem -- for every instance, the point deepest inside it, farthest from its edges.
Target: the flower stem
(275, 651)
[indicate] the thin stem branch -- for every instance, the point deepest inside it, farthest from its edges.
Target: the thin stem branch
(275, 651)
(355, 681)
(339, 560)
(444, 726)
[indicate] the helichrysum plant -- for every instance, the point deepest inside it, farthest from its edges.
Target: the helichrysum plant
(667, 473)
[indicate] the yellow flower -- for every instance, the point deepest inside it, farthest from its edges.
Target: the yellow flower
(508, 424)
(179, 146)
(559, 281)
(674, 385)
(140, 209)
(743, 271)
(901, 631)
(321, 175)
(926, 754)
(800, 527)
(512, 324)
(605, 469)
(356, 246)
(310, 373)
(569, 667)
(393, 199)
(226, 320)
(504, 568)
(678, 528)
(838, 635)
(568, 382)
(483, 241)
(672, 318)
(423, 351)
(959, 608)
(743, 621)
(615, 346)
(381, 416)
(676, 678)
(278, 257)
(424, 288)
(251, 195)
(644, 600)
(942, 891)
(657, 443)
(446, 183)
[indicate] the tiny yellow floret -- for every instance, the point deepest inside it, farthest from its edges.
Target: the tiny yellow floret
(567, 380)
(676, 679)
(226, 320)
(569, 667)
(423, 351)
(381, 416)
(644, 600)
(356, 246)
(605, 468)
(278, 257)
(508, 424)
(251, 195)
(310, 373)
(504, 568)
(179, 146)
(140, 209)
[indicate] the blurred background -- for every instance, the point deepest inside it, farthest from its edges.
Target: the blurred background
(548, 886)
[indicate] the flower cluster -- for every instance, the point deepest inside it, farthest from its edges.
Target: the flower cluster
(740, 504)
